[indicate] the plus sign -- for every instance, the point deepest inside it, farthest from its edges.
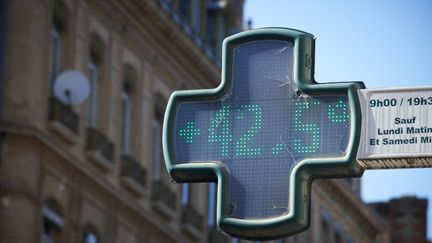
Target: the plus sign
(189, 132)
(265, 133)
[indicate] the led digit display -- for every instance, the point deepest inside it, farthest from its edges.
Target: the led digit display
(261, 128)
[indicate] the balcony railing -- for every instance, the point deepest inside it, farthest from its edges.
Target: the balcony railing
(191, 216)
(133, 170)
(162, 193)
(97, 141)
(64, 114)
(180, 20)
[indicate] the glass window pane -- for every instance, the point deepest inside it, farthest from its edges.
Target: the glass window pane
(185, 194)
(125, 122)
(55, 55)
(156, 157)
(211, 204)
(92, 96)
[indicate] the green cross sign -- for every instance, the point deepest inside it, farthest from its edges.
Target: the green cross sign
(264, 134)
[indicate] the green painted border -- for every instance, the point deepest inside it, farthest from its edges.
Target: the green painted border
(304, 172)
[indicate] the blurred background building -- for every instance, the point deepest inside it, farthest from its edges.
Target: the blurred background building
(94, 172)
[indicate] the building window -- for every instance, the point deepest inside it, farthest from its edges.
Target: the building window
(52, 222)
(129, 82)
(220, 35)
(211, 26)
(91, 116)
(90, 234)
(215, 27)
(185, 9)
(325, 226)
(125, 126)
(196, 15)
(185, 192)
(158, 161)
(338, 234)
(96, 56)
(211, 205)
(58, 29)
(156, 157)
(55, 55)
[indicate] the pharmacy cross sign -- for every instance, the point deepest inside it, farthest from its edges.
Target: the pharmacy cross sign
(264, 134)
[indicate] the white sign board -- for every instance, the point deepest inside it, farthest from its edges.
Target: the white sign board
(396, 128)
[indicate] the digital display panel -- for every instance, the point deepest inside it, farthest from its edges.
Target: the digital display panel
(261, 128)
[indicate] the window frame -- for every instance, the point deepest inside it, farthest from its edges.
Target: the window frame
(125, 122)
(55, 56)
(211, 212)
(185, 195)
(92, 99)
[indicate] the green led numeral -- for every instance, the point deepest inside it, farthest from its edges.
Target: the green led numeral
(311, 128)
(219, 130)
(241, 144)
(277, 148)
(334, 115)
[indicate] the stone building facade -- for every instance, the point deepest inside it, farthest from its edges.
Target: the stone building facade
(93, 172)
(406, 219)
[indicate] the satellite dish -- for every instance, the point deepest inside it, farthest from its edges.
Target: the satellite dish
(71, 87)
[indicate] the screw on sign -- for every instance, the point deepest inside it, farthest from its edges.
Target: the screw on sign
(264, 134)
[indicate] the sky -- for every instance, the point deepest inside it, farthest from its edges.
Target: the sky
(386, 43)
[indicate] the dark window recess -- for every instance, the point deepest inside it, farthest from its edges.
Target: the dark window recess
(97, 141)
(211, 28)
(185, 9)
(192, 217)
(60, 15)
(64, 114)
(162, 193)
(53, 222)
(133, 170)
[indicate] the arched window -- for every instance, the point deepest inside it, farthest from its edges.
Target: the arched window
(129, 82)
(92, 77)
(58, 29)
(52, 222)
(97, 49)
